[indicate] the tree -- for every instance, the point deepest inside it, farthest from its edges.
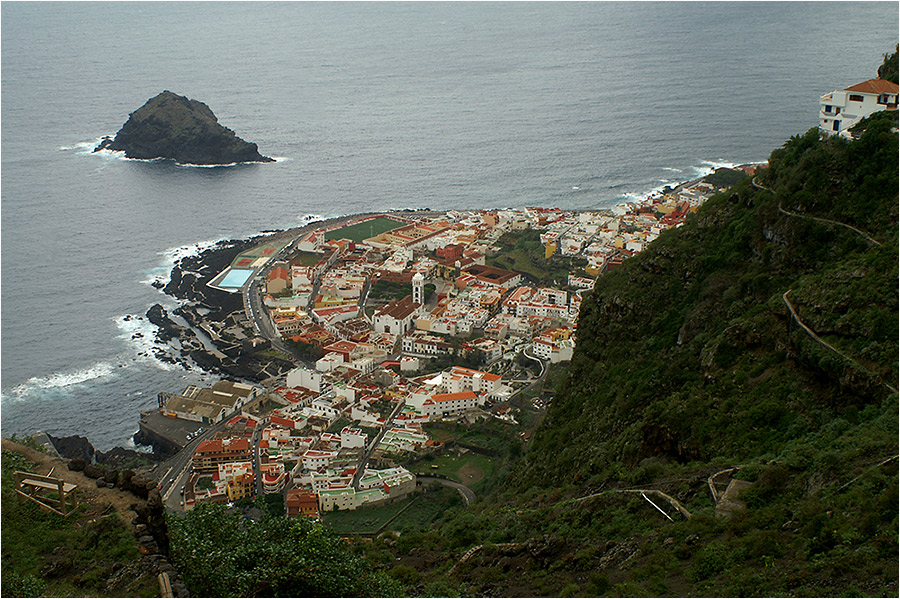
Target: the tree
(221, 554)
(306, 351)
(888, 68)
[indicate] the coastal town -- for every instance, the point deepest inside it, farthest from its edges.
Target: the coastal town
(392, 324)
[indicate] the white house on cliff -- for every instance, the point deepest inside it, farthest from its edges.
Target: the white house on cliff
(840, 110)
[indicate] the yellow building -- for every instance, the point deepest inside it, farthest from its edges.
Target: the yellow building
(240, 486)
(549, 249)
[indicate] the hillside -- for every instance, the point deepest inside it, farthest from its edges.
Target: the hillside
(691, 374)
(96, 551)
(689, 352)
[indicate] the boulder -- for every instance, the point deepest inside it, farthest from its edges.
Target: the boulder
(94, 471)
(73, 447)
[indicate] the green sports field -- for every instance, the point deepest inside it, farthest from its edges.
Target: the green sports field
(364, 230)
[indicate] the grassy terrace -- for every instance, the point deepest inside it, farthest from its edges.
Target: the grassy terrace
(418, 511)
(466, 469)
(306, 258)
(45, 554)
(361, 231)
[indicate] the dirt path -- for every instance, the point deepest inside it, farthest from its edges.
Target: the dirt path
(88, 491)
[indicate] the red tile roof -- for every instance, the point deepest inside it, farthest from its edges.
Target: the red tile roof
(874, 86)
(454, 396)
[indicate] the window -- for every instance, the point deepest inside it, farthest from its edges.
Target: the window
(856, 98)
(837, 125)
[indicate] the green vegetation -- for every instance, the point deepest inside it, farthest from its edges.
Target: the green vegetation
(306, 351)
(388, 291)
(414, 513)
(338, 425)
(367, 520)
(725, 177)
(523, 252)
(364, 230)
(89, 553)
(888, 69)
(221, 554)
(306, 258)
(689, 363)
(467, 469)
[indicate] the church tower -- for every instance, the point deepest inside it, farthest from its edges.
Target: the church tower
(418, 285)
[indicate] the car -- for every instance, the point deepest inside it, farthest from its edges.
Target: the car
(190, 436)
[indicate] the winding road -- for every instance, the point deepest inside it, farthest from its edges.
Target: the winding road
(468, 494)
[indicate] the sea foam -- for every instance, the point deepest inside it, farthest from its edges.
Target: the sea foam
(38, 385)
(162, 273)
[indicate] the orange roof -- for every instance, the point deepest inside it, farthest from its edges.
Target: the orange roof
(874, 86)
(454, 396)
(279, 273)
(217, 445)
(282, 421)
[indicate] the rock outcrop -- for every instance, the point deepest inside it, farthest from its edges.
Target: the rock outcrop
(73, 447)
(181, 129)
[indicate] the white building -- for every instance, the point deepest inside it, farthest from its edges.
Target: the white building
(352, 438)
(329, 362)
(397, 317)
(447, 404)
(314, 459)
(309, 379)
(840, 110)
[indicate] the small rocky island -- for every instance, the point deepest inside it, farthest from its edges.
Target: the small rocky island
(181, 129)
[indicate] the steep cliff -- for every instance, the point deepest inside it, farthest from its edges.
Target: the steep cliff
(739, 376)
(184, 130)
(768, 314)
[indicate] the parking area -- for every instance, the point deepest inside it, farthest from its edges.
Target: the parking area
(174, 429)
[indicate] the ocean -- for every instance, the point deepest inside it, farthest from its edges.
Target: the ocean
(366, 106)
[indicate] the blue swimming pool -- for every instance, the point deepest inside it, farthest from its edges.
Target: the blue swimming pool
(235, 278)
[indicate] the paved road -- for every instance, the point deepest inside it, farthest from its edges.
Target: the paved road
(536, 359)
(173, 473)
(467, 493)
(361, 467)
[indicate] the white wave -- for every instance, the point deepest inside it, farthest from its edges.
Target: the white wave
(309, 219)
(673, 170)
(60, 380)
(86, 148)
(708, 167)
(162, 273)
(278, 159)
(140, 333)
(189, 165)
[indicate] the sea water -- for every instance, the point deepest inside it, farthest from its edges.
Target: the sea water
(366, 106)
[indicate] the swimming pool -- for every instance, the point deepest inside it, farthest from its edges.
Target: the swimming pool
(235, 278)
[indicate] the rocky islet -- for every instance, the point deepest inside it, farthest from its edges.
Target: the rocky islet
(184, 130)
